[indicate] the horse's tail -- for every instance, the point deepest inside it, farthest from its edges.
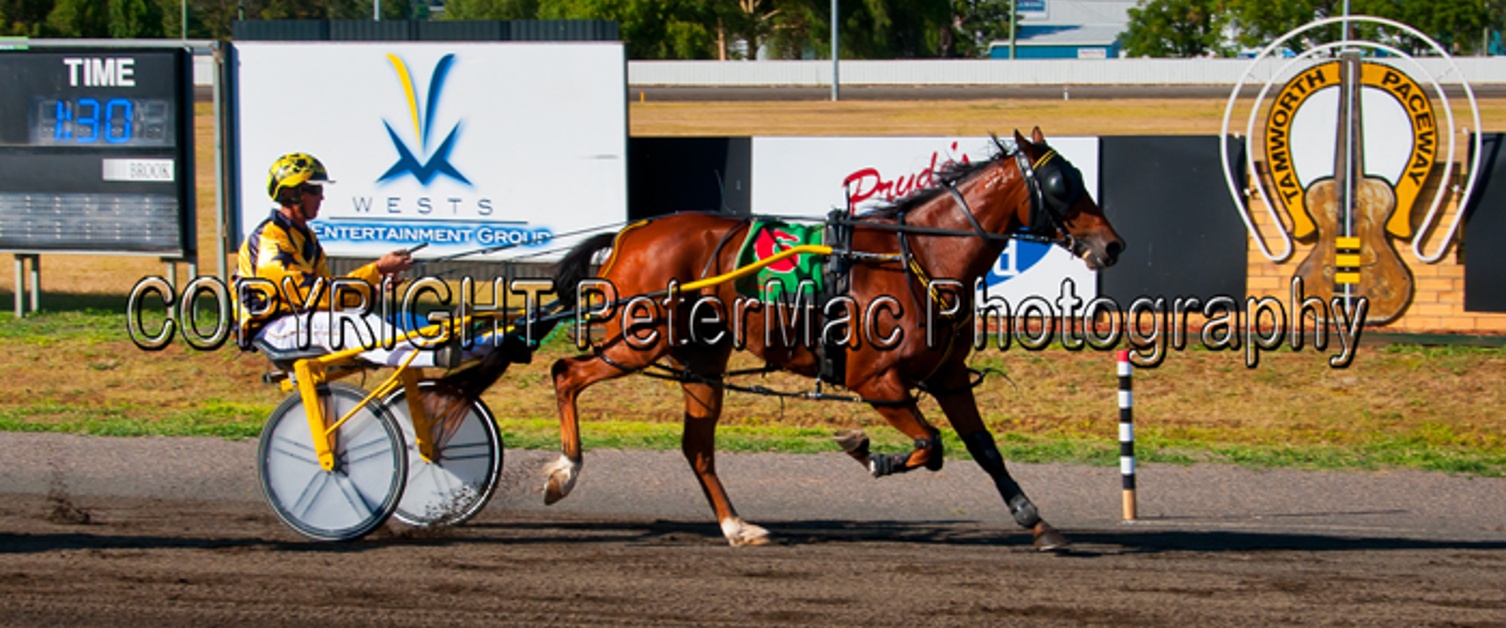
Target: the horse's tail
(576, 265)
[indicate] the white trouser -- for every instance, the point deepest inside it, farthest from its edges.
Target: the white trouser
(347, 331)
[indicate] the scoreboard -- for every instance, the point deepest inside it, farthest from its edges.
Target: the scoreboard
(96, 151)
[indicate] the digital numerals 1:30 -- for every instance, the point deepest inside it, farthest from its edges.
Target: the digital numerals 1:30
(87, 120)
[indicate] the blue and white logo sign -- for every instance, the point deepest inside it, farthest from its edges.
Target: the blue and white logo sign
(437, 162)
(1018, 257)
(462, 145)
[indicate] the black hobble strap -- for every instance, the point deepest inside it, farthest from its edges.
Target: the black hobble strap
(831, 356)
(981, 445)
(881, 465)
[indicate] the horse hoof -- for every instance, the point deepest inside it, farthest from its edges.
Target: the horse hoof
(561, 474)
(740, 534)
(855, 443)
(1048, 539)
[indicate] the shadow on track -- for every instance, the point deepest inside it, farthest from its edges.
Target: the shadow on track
(1086, 543)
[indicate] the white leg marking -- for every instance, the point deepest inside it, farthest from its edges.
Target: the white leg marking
(740, 533)
(561, 474)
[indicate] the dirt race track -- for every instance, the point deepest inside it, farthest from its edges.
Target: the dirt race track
(99, 531)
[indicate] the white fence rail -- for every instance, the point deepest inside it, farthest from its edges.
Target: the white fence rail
(1478, 71)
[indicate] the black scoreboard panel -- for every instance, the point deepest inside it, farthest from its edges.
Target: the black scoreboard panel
(96, 151)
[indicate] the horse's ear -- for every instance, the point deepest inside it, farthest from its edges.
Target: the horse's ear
(1036, 136)
(1019, 140)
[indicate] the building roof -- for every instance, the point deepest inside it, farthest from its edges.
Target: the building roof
(1077, 23)
(1062, 35)
(1086, 12)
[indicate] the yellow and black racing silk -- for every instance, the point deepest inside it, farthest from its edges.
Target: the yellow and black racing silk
(289, 256)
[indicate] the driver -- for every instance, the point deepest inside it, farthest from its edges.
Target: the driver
(283, 251)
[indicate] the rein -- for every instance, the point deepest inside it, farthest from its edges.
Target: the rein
(683, 375)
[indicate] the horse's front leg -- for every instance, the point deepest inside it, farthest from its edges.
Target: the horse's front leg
(961, 409)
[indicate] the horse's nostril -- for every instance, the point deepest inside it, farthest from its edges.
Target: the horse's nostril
(1114, 249)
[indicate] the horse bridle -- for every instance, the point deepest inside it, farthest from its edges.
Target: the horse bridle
(1054, 186)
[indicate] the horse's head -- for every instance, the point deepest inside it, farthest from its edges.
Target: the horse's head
(1061, 210)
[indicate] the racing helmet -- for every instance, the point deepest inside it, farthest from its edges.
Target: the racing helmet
(292, 170)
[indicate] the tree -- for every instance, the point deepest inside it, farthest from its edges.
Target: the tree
(1177, 28)
(1457, 24)
(24, 17)
(78, 18)
(491, 9)
(974, 25)
(651, 29)
(135, 19)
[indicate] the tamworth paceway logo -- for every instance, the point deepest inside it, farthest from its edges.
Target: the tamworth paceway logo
(1344, 155)
(437, 162)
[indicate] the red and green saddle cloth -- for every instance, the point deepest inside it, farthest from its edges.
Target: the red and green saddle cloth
(767, 238)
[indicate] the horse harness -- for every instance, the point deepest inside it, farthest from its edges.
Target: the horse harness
(1054, 185)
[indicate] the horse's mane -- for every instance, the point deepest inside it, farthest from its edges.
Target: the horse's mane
(949, 174)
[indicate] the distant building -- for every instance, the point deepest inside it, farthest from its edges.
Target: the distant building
(1067, 29)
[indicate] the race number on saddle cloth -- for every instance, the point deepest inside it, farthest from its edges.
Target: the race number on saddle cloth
(781, 279)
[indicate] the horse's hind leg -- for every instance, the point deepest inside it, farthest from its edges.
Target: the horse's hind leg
(962, 411)
(906, 418)
(703, 408)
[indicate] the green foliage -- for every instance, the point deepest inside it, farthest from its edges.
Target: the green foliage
(24, 17)
(1177, 28)
(78, 18)
(491, 9)
(651, 29)
(135, 19)
(1189, 28)
(973, 26)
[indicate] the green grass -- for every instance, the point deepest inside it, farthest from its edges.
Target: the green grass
(236, 422)
(1401, 406)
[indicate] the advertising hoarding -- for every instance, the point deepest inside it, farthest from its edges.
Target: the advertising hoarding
(810, 176)
(460, 145)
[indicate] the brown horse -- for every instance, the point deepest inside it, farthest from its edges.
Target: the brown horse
(954, 230)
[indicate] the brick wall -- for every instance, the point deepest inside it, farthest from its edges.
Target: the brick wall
(1437, 304)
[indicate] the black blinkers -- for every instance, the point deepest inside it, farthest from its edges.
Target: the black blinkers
(1055, 185)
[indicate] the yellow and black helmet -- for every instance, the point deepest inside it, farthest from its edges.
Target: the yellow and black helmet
(292, 170)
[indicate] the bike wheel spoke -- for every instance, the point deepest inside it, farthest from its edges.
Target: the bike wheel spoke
(300, 451)
(310, 494)
(353, 496)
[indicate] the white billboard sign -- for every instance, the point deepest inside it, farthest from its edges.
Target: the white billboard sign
(806, 177)
(459, 145)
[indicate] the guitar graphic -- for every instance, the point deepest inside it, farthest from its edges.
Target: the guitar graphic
(1352, 256)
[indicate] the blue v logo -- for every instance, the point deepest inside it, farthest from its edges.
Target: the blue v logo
(438, 161)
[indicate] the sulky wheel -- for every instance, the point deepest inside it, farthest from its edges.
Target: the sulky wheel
(460, 480)
(363, 489)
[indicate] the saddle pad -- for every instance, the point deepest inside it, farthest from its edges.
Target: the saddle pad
(765, 239)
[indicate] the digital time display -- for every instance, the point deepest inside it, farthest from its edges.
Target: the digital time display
(95, 150)
(90, 121)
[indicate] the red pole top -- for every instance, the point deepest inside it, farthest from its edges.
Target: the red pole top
(1123, 355)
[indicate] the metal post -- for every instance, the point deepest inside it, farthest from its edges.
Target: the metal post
(376, 10)
(20, 285)
(834, 56)
(1012, 16)
(221, 246)
(1348, 28)
(36, 283)
(183, 22)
